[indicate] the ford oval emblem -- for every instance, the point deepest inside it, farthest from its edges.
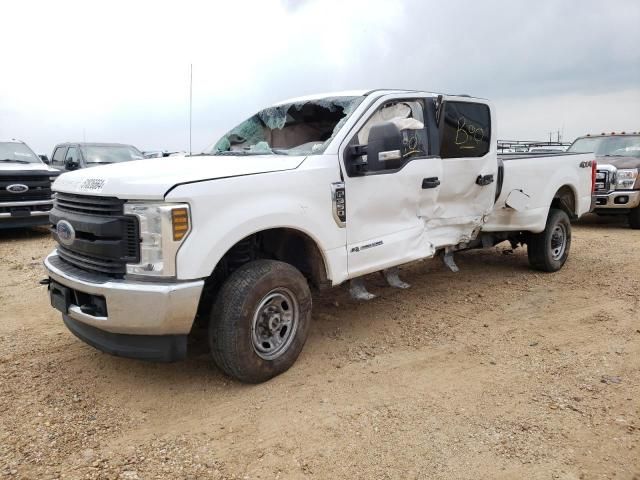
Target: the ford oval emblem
(66, 233)
(17, 188)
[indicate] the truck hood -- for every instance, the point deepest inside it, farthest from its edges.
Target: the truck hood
(619, 161)
(10, 168)
(151, 179)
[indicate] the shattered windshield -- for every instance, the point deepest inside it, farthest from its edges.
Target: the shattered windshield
(301, 128)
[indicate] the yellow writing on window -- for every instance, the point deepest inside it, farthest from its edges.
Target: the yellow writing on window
(468, 135)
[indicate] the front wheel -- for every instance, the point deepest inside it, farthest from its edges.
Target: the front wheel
(260, 320)
(549, 250)
(634, 218)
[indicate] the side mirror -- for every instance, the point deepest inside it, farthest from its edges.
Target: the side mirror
(44, 159)
(71, 164)
(383, 151)
(385, 145)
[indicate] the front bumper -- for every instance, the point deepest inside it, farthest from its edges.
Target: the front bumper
(622, 199)
(133, 309)
(157, 348)
(25, 214)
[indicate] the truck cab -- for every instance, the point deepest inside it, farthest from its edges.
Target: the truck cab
(309, 193)
(25, 186)
(73, 156)
(617, 185)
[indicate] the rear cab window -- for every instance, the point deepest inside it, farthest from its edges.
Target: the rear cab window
(465, 129)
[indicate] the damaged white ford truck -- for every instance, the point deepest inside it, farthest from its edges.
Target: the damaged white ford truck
(308, 193)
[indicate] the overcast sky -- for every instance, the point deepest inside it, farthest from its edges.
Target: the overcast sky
(120, 71)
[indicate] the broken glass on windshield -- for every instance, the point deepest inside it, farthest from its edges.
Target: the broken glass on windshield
(300, 128)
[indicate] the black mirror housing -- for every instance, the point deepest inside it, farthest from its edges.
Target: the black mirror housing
(384, 150)
(44, 159)
(71, 164)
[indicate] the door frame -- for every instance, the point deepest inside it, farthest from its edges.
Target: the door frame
(420, 247)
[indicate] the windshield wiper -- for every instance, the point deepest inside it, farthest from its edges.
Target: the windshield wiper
(9, 160)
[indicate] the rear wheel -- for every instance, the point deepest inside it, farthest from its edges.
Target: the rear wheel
(260, 320)
(634, 218)
(549, 250)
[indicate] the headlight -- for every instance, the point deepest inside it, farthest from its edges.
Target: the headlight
(626, 178)
(163, 228)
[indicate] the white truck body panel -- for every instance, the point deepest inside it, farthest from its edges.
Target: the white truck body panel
(539, 178)
(151, 179)
(234, 208)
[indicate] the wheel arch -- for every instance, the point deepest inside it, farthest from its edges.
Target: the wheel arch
(287, 244)
(565, 199)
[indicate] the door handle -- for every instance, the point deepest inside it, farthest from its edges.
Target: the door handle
(431, 182)
(484, 180)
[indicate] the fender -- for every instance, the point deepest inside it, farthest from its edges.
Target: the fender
(225, 212)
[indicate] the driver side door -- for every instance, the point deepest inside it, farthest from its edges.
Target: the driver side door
(387, 200)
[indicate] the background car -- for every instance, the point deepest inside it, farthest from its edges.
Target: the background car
(25, 186)
(72, 156)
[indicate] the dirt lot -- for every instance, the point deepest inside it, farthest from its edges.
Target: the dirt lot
(494, 372)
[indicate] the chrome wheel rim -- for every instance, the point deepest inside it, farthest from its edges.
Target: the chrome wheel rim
(558, 241)
(275, 322)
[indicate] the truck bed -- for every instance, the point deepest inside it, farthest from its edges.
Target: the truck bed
(533, 179)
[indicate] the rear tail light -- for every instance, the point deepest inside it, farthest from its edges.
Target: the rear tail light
(594, 170)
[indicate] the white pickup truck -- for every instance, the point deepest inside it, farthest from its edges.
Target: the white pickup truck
(311, 192)
(25, 186)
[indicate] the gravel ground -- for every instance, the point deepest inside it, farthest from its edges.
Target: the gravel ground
(496, 372)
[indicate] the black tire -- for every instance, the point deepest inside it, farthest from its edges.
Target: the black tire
(545, 253)
(634, 218)
(233, 338)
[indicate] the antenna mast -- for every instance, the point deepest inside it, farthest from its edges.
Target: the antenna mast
(190, 103)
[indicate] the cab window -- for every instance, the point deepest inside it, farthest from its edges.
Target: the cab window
(465, 130)
(408, 116)
(72, 155)
(58, 156)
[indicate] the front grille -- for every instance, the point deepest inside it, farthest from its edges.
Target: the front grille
(105, 239)
(39, 185)
(603, 181)
(88, 205)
